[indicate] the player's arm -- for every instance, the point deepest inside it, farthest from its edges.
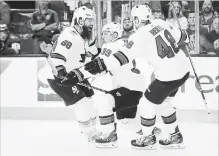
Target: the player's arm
(98, 66)
(59, 55)
(180, 35)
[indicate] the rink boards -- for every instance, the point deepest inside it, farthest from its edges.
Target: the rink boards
(24, 85)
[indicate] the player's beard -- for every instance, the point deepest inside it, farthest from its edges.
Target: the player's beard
(128, 29)
(87, 33)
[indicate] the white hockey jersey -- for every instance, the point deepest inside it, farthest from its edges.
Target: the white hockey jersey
(70, 49)
(156, 43)
(121, 76)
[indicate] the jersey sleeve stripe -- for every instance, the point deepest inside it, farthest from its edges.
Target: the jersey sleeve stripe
(121, 57)
(104, 120)
(58, 56)
(79, 74)
(183, 37)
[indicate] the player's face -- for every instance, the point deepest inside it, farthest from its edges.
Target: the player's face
(3, 35)
(207, 6)
(216, 25)
(89, 23)
(127, 25)
(191, 19)
(106, 37)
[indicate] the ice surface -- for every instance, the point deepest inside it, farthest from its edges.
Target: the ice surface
(62, 138)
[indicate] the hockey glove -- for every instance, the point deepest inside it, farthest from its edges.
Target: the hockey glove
(72, 78)
(61, 73)
(96, 66)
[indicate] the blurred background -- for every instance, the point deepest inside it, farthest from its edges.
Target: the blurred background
(199, 18)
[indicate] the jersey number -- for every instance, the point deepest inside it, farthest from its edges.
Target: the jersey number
(67, 44)
(106, 52)
(163, 49)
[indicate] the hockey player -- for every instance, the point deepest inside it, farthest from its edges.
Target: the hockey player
(70, 52)
(158, 44)
(125, 88)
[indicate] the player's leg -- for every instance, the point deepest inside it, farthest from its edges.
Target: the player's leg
(172, 136)
(106, 127)
(85, 112)
(155, 96)
(117, 100)
(79, 97)
(148, 120)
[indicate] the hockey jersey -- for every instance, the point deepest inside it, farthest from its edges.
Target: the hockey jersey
(121, 76)
(70, 49)
(157, 44)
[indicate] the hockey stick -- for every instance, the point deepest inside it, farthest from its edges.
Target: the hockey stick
(55, 72)
(193, 68)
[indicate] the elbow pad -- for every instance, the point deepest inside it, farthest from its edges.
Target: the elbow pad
(184, 39)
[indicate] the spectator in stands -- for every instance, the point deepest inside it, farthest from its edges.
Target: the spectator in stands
(44, 22)
(4, 13)
(206, 18)
(175, 15)
(88, 5)
(216, 11)
(117, 19)
(213, 36)
(191, 32)
(9, 43)
(128, 28)
(158, 14)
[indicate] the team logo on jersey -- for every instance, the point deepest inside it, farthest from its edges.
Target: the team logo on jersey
(130, 44)
(118, 94)
(75, 90)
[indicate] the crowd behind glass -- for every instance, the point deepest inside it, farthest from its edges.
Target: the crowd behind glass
(22, 29)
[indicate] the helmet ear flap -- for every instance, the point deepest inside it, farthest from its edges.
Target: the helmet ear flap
(115, 35)
(80, 21)
(81, 14)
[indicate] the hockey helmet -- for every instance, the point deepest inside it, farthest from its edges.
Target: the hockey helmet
(82, 13)
(141, 13)
(113, 27)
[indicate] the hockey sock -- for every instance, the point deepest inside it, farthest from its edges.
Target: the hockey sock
(168, 114)
(84, 126)
(94, 121)
(147, 125)
(170, 122)
(148, 116)
(107, 123)
(83, 109)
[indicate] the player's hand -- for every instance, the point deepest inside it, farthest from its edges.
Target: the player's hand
(72, 78)
(61, 73)
(96, 66)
